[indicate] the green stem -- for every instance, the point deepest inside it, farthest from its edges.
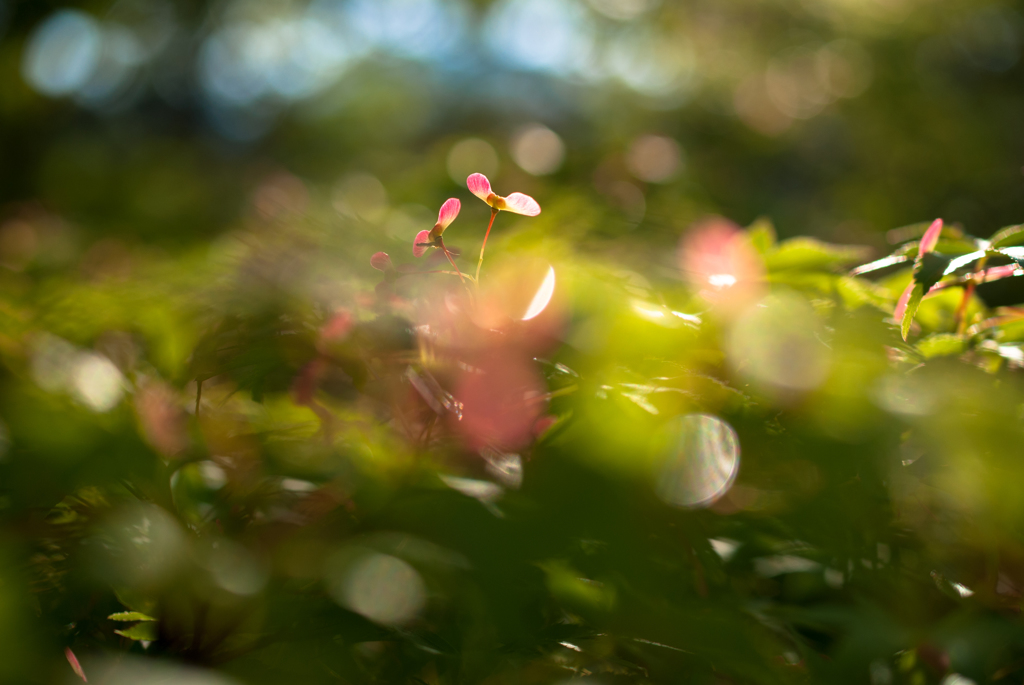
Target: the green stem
(480, 262)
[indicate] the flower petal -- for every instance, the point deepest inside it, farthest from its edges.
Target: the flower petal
(418, 250)
(522, 204)
(479, 186)
(449, 210)
(931, 237)
(381, 262)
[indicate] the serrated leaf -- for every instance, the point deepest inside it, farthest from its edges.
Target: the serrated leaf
(813, 255)
(857, 292)
(929, 268)
(912, 304)
(941, 345)
(1005, 237)
(140, 631)
(130, 616)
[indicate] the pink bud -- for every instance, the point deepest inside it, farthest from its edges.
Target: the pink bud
(381, 262)
(75, 666)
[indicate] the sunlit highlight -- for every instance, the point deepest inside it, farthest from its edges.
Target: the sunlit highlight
(543, 297)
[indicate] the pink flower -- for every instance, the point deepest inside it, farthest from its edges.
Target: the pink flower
(432, 238)
(516, 203)
(928, 242)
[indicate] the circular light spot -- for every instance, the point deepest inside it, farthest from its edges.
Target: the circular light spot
(62, 53)
(384, 589)
(471, 156)
(776, 343)
(538, 150)
(701, 460)
(235, 569)
(97, 382)
(654, 159)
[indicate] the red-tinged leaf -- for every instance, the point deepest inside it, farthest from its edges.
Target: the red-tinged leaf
(75, 666)
(931, 237)
(913, 301)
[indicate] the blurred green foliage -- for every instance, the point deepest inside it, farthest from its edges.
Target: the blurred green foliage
(233, 452)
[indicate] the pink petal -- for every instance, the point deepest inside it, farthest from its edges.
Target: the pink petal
(381, 262)
(449, 210)
(931, 237)
(417, 249)
(75, 666)
(479, 186)
(522, 204)
(901, 304)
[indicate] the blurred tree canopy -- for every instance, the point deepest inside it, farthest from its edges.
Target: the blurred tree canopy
(247, 437)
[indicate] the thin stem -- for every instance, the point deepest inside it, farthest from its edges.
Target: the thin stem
(455, 266)
(961, 320)
(480, 262)
(434, 271)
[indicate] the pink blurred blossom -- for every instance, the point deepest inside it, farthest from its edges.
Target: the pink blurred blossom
(501, 394)
(716, 256)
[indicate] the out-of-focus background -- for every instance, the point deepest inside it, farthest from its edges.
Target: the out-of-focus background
(233, 452)
(153, 121)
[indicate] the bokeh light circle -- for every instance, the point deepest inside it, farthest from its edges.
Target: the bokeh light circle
(701, 457)
(384, 589)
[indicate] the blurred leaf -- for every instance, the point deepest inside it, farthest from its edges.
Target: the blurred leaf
(941, 345)
(1006, 237)
(140, 631)
(130, 616)
(811, 254)
(761, 234)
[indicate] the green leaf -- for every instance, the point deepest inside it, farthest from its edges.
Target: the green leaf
(882, 263)
(140, 631)
(912, 304)
(1005, 237)
(929, 268)
(762, 235)
(941, 345)
(130, 616)
(858, 292)
(810, 254)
